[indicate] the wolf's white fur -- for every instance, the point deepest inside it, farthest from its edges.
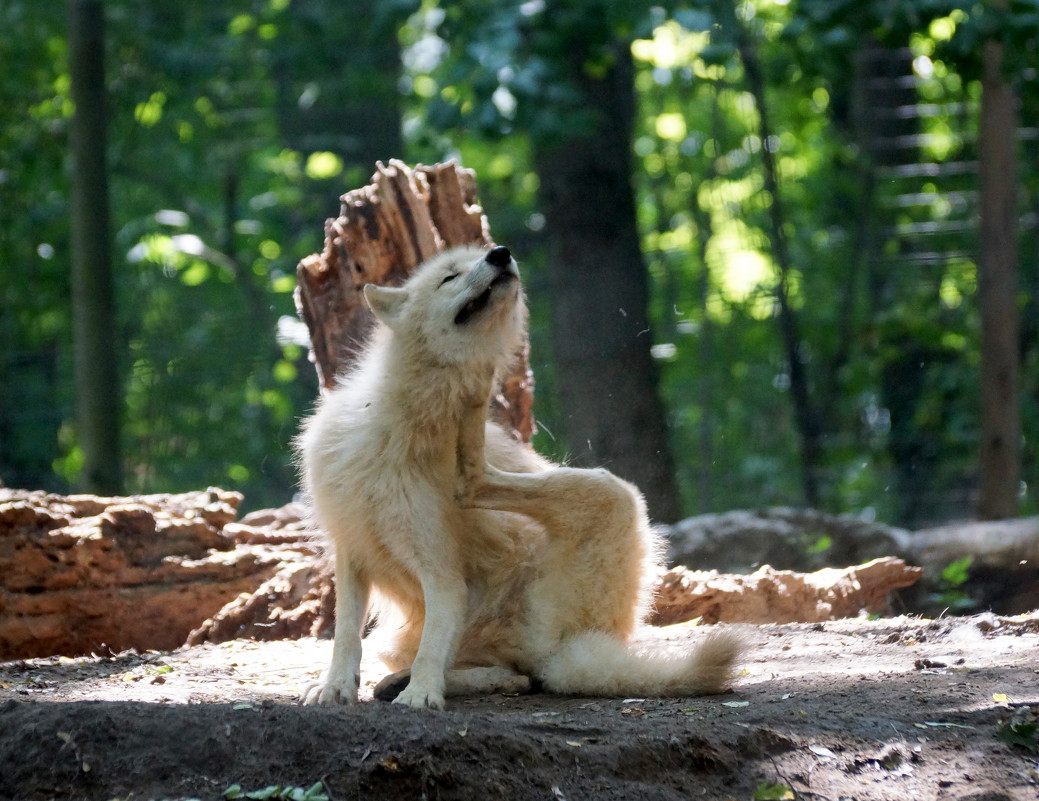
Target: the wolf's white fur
(480, 553)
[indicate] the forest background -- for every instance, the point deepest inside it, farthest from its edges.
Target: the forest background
(751, 235)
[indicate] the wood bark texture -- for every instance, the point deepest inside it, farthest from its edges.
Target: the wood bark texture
(1003, 571)
(779, 596)
(1000, 455)
(93, 293)
(383, 232)
(601, 337)
(85, 574)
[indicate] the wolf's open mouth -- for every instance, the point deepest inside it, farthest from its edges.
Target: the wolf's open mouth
(479, 303)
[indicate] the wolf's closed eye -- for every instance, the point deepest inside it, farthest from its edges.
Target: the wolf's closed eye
(447, 278)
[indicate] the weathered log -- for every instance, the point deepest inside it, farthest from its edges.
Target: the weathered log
(81, 573)
(779, 596)
(84, 574)
(803, 540)
(1003, 574)
(995, 544)
(299, 603)
(383, 232)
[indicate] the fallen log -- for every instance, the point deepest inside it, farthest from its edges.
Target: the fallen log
(383, 232)
(766, 596)
(788, 538)
(779, 596)
(297, 601)
(84, 574)
(993, 544)
(1002, 557)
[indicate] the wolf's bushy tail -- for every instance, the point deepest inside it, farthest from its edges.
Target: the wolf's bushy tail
(594, 663)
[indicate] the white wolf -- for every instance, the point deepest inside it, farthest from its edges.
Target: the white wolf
(487, 562)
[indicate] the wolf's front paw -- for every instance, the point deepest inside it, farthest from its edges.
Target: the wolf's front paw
(420, 698)
(330, 691)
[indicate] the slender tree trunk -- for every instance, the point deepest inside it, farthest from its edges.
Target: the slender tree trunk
(606, 379)
(1000, 416)
(705, 335)
(93, 305)
(705, 357)
(805, 413)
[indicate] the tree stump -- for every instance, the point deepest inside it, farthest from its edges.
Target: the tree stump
(383, 232)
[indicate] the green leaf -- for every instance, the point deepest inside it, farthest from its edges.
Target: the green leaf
(316, 793)
(772, 792)
(956, 573)
(1022, 734)
(273, 791)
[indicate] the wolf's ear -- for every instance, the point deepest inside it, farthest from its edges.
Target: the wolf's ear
(386, 302)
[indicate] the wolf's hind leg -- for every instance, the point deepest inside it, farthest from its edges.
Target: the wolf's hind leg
(340, 681)
(600, 551)
(560, 496)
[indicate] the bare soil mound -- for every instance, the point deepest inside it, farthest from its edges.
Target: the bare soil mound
(889, 709)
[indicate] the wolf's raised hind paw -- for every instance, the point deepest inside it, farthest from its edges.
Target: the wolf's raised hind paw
(389, 687)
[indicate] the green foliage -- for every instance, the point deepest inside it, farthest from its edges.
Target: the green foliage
(213, 209)
(819, 544)
(953, 577)
(957, 573)
(1021, 730)
(232, 133)
(767, 791)
(277, 792)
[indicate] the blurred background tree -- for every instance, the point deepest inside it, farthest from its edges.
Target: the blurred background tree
(750, 233)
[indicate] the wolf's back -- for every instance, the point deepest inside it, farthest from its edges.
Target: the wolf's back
(597, 664)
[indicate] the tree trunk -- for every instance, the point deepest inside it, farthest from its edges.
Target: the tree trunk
(606, 377)
(93, 305)
(805, 412)
(997, 286)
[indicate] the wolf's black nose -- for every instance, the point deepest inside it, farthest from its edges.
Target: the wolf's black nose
(499, 256)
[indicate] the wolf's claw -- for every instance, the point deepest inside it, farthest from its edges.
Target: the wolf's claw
(419, 698)
(328, 693)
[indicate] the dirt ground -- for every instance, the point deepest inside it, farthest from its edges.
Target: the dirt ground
(900, 708)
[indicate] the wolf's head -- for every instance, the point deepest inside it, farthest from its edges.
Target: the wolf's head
(462, 305)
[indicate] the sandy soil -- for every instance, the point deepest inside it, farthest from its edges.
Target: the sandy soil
(900, 708)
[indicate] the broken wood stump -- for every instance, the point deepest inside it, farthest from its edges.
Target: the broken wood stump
(383, 232)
